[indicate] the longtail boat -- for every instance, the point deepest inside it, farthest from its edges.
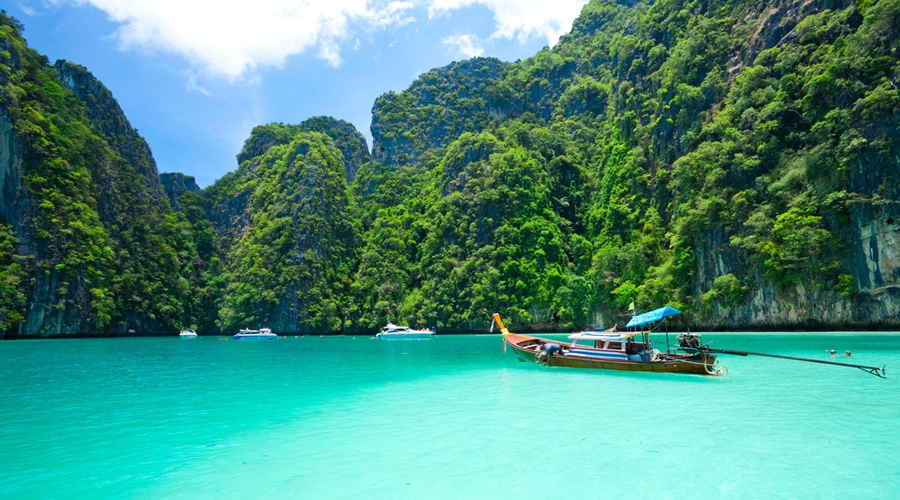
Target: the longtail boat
(610, 350)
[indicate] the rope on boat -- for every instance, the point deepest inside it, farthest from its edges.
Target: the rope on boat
(717, 372)
(706, 366)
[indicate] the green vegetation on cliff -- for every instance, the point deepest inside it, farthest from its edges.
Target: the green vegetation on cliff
(106, 251)
(293, 255)
(701, 150)
(13, 275)
(719, 156)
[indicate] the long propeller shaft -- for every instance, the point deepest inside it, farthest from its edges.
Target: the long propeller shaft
(879, 372)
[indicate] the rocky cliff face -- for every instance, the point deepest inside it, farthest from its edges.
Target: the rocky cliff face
(290, 234)
(407, 128)
(231, 211)
(869, 231)
(136, 176)
(872, 259)
(875, 263)
(598, 73)
(176, 184)
(82, 196)
(131, 201)
(56, 303)
(347, 139)
(48, 310)
(12, 205)
(603, 118)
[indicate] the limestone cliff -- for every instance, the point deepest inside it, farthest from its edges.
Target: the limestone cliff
(289, 230)
(408, 128)
(738, 160)
(176, 184)
(83, 198)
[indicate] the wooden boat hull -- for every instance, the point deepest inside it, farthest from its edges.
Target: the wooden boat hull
(525, 348)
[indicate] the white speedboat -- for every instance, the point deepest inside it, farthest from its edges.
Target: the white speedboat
(187, 333)
(263, 334)
(392, 331)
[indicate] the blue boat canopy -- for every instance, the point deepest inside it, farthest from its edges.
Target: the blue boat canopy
(654, 315)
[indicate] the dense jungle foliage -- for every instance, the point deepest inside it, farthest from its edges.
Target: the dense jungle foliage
(101, 244)
(12, 277)
(292, 263)
(651, 132)
(670, 152)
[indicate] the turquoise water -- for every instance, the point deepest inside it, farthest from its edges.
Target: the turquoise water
(449, 417)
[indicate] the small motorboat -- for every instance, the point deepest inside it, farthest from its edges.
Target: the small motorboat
(187, 333)
(248, 334)
(392, 331)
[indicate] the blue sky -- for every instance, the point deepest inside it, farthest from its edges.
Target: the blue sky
(195, 76)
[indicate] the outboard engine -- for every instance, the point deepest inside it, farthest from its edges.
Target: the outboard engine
(689, 341)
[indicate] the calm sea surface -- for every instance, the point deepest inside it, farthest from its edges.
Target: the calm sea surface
(449, 417)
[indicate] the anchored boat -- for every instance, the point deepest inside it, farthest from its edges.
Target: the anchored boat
(392, 331)
(608, 350)
(631, 350)
(261, 334)
(187, 333)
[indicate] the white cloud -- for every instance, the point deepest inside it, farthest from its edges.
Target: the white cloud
(521, 19)
(194, 86)
(27, 10)
(467, 45)
(233, 38)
